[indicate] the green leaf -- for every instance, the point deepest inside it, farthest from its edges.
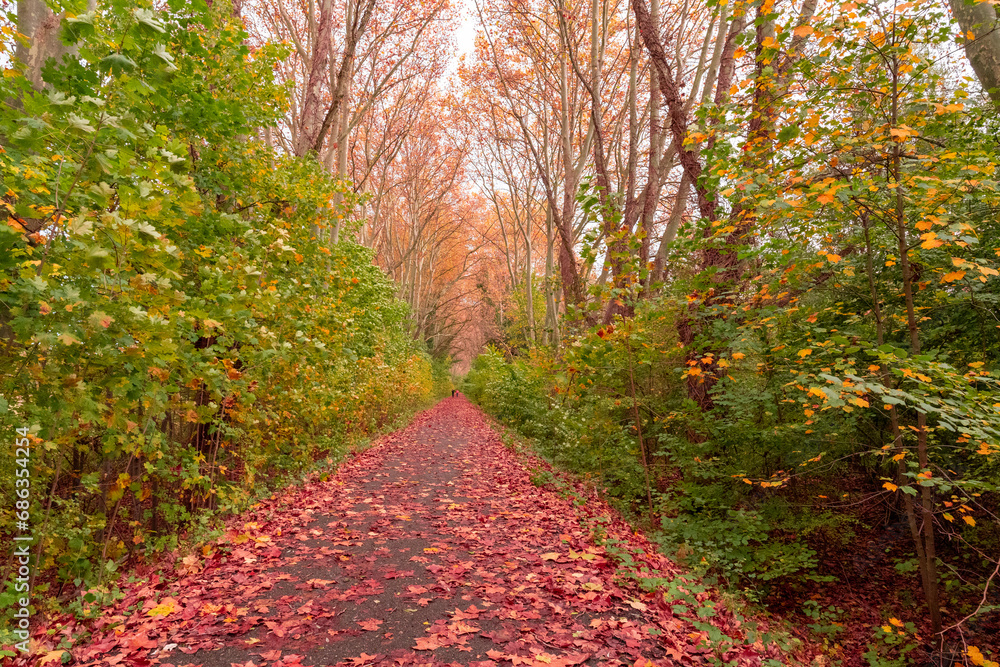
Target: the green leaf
(116, 63)
(147, 19)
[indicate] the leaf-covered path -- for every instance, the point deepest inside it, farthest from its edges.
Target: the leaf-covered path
(432, 547)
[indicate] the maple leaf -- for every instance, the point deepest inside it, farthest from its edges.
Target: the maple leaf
(461, 628)
(370, 624)
(320, 583)
(550, 556)
(166, 607)
(51, 656)
(363, 658)
(469, 613)
(271, 655)
(428, 643)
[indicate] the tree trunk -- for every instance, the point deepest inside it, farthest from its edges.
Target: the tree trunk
(42, 27)
(983, 49)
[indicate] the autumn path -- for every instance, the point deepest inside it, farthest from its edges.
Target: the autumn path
(433, 547)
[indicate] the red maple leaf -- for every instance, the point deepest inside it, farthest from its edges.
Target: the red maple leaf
(370, 624)
(428, 643)
(460, 628)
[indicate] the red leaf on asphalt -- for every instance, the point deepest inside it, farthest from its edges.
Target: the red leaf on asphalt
(370, 624)
(429, 643)
(461, 628)
(535, 591)
(470, 613)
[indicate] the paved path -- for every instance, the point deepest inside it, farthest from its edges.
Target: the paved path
(432, 547)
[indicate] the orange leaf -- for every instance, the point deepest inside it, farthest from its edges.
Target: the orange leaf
(952, 276)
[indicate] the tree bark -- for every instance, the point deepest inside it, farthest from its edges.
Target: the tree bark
(983, 49)
(316, 80)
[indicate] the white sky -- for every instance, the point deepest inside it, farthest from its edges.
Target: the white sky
(465, 36)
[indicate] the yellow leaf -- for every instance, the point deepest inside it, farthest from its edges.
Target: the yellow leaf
(550, 556)
(738, 355)
(930, 241)
(889, 486)
(805, 352)
(51, 656)
(895, 621)
(825, 198)
(952, 276)
(833, 258)
(165, 608)
(969, 520)
(803, 31)
(977, 658)
(68, 339)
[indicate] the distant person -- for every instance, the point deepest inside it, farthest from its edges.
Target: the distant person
(454, 393)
